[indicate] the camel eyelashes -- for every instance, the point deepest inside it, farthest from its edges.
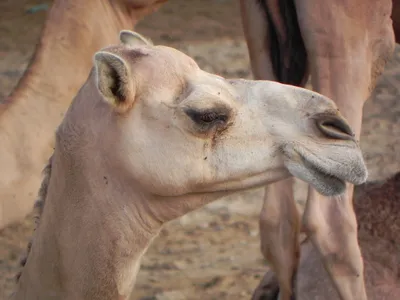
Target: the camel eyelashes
(207, 117)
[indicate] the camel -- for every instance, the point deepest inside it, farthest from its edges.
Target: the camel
(111, 184)
(68, 41)
(344, 46)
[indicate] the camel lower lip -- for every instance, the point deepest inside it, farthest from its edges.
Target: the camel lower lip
(332, 185)
(326, 175)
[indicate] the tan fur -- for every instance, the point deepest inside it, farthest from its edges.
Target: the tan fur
(118, 172)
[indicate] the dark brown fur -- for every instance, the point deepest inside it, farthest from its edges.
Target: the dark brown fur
(291, 49)
(38, 208)
(377, 206)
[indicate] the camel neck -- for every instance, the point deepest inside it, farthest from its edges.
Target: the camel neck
(90, 238)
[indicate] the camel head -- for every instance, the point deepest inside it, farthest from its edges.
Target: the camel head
(174, 129)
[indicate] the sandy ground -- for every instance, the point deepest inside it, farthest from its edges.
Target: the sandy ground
(212, 253)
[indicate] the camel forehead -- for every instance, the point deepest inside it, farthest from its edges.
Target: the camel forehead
(169, 62)
(174, 54)
(156, 57)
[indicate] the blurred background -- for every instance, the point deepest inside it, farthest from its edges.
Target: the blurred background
(212, 253)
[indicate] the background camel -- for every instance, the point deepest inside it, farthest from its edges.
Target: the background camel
(111, 183)
(344, 46)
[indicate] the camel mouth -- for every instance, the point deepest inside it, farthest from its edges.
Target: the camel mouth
(324, 181)
(328, 180)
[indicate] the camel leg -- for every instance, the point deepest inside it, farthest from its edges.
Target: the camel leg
(331, 223)
(332, 227)
(279, 232)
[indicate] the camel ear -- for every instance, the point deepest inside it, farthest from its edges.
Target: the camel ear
(114, 81)
(133, 39)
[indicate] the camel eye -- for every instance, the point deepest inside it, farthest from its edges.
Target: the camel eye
(207, 117)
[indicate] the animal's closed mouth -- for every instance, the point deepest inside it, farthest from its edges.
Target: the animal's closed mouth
(333, 185)
(322, 173)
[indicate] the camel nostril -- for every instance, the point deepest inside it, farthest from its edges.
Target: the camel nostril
(335, 127)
